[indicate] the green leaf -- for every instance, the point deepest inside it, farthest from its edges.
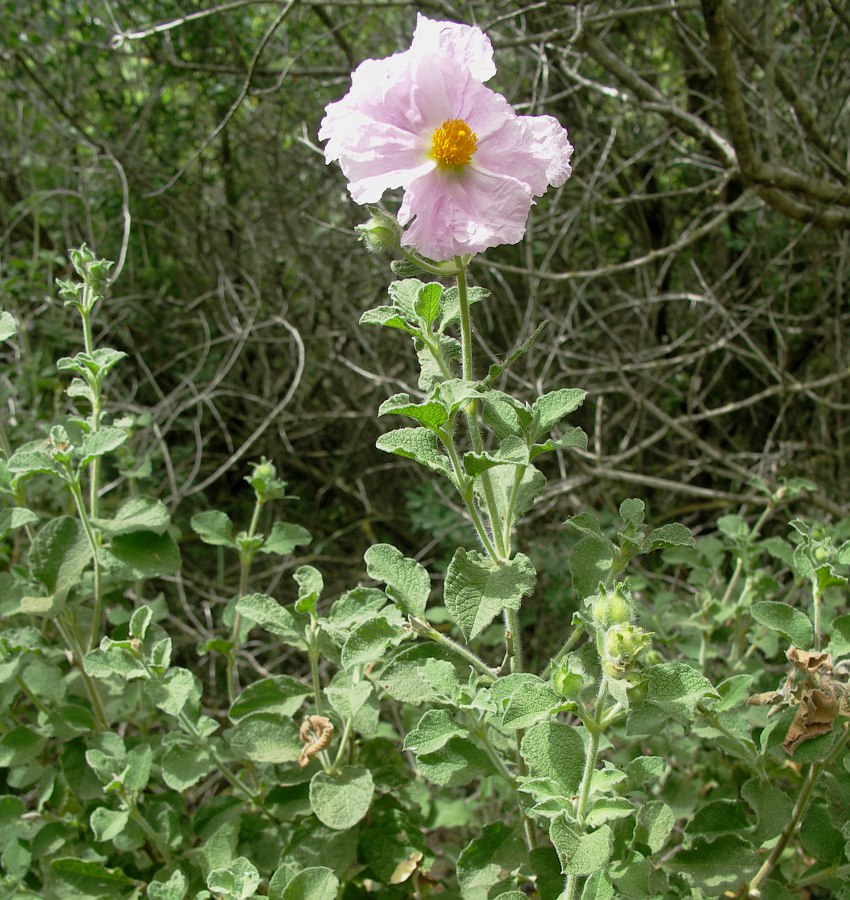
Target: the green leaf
(528, 704)
(718, 817)
(59, 554)
(173, 690)
(265, 738)
(791, 623)
(572, 439)
(819, 836)
(388, 317)
(718, 865)
(32, 459)
(671, 535)
(276, 619)
(136, 514)
(676, 688)
(87, 880)
(107, 824)
(8, 328)
(581, 854)
(146, 553)
(281, 694)
(481, 862)
(732, 691)
(549, 409)
(98, 443)
(310, 586)
(419, 444)
(214, 527)
(643, 769)
(609, 809)
(590, 562)
(451, 303)
(456, 764)
(173, 889)
(408, 583)
(184, 766)
(12, 519)
(139, 621)
(432, 732)
(427, 303)
(839, 636)
(341, 800)
(314, 883)
(346, 696)
(555, 751)
(368, 642)
(633, 512)
(477, 588)
(237, 882)
(420, 674)
(19, 746)
(772, 807)
(431, 413)
(283, 538)
(655, 822)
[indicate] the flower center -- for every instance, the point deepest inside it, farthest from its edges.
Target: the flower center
(453, 144)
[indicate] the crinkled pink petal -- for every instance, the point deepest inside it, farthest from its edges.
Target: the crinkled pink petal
(466, 44)
(534, 149)
(374, 156)
(454, 213)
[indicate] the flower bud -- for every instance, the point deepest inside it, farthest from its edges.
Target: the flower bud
(381, 234)
(566, 681)
(611, 607)
(625, 642)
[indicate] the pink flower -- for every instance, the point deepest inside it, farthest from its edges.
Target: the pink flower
(423, 120)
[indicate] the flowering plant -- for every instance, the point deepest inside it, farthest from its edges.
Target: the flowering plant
(423, 120)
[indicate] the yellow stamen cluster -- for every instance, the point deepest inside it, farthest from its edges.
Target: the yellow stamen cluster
(453, 144)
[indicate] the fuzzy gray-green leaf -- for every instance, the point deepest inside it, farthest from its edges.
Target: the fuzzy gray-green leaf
(478, 588)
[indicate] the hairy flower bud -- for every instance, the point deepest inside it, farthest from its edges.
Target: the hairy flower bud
(566, 681)
(381, 234)
(612, 607)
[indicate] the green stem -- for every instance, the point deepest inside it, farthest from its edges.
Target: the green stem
(94, 543)
(73, 643)
(245, 560)
(572, 640)
(428, 631)
(800, 807)
(478, 728)
(594, 728)
(154, 839)
(817, 596)
(343, 743)
(471, 411)
(465, 490)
